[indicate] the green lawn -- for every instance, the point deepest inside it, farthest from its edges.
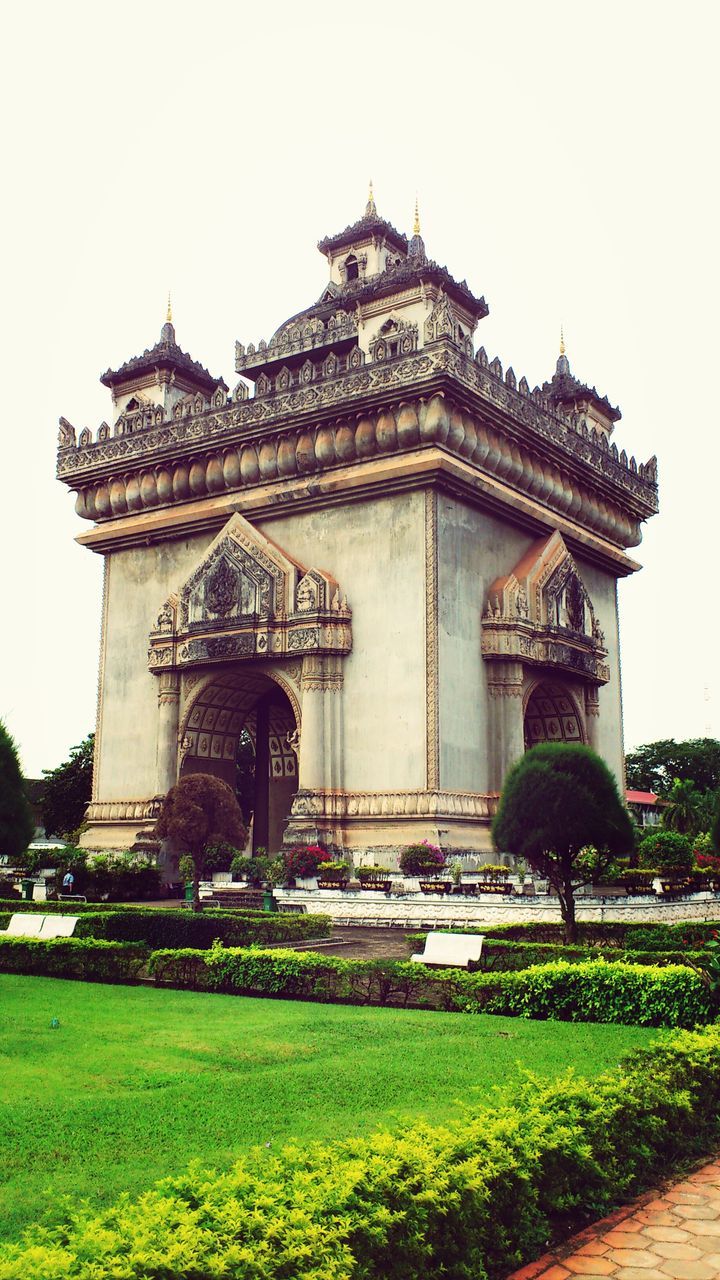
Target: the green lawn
(135, 1082)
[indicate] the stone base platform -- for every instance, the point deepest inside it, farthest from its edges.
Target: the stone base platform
(419, 910)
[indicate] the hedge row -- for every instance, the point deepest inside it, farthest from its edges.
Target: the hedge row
(633, 936)
(476, 1197)
(161, 928)
(89, 960)
(594, 991)
(499, 956)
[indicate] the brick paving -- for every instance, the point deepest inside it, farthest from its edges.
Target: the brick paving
(671, 1236)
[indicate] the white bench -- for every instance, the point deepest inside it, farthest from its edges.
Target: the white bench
(25, 925)
(458, 950)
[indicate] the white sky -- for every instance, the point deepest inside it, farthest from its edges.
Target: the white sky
(565, 156)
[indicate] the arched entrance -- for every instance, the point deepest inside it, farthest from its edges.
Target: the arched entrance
(246, 704)
(551, 716)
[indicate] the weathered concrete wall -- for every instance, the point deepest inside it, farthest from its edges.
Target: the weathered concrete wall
(602, 591)
(139, 581)
(474, 549)
(376, 551)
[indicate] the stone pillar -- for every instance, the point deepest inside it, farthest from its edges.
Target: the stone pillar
(167, 739)
(311, 763)
(321, 756)
(506, 730)
(592, 711)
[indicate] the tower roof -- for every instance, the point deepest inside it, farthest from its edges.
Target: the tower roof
(166, 356)
(567, 391)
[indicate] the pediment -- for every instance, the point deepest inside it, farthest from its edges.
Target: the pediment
(247, 597)
(542, 613)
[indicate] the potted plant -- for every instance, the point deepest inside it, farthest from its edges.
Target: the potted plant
(374, 877)
(493, 879)
(301, 862)
(639, 881)
(332, 875)
(426, 861)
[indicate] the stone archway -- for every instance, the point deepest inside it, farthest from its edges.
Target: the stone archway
(226, 704)
(551, 715)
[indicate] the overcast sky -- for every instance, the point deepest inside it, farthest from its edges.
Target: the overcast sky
(565, 158)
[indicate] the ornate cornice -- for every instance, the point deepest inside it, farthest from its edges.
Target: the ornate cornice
(436, 396)
(334, 805)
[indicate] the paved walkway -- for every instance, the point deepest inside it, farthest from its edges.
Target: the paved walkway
(673, 1236)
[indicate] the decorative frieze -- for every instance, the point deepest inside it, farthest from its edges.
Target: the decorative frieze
(123, 810)
(561, 463)
(339, 805)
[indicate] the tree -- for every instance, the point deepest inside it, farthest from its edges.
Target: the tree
(198, 812)
(655, 766)
(560, 810)
(68, 790)
(715, 828)
(17, 826)
(684, 811)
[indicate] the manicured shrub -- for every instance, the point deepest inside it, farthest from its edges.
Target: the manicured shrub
(475, 1197)
(584, 991)
(190, 929)
(667, 851)
(422, 859)
(89, 960)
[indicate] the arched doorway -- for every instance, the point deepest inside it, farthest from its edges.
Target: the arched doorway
(551, 716)
(231, 712)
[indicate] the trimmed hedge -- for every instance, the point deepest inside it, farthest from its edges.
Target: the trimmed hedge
(171, 929)
(499, 956)
(631, 935)
(89, 960)
(594, 991)
(158, 927)
(476, 1197)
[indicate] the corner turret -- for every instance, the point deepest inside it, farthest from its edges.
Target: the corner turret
(573, 396)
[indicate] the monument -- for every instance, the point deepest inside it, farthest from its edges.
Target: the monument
(384, 557)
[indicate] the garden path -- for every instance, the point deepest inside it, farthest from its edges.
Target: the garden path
(674, 1235)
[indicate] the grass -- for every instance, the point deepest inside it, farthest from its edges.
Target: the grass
(136, 1082)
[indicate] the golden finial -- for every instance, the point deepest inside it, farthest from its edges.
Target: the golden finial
(562, 341)
(370, 206)
(169, 311)
(416, 224)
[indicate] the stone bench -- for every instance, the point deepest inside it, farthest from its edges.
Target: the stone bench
(25, 925)
(457, 950)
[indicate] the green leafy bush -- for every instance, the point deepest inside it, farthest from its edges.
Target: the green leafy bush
(422, 859)
(584, 991)
(667, 851)
(190, 929)
(89, 960)
(373, 872)
(473, 1198)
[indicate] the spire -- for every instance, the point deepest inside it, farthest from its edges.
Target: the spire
(416, 248)
(563, 364)
(167, 333)
(370, 210)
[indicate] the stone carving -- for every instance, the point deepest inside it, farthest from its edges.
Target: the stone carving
(66, 434)
(441, 322)
(542, 614)
(221, 589)
(245, 589)
(630, 494)
(378, 804)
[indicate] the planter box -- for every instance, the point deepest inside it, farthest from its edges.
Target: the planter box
(332, 884)
(494, 886)
(378, 886)
(435, 886)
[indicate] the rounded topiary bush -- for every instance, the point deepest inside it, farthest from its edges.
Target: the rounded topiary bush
(667, 851)
(422, 859)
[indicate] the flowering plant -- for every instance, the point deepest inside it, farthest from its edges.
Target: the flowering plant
(423, 859)
(303, 860)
